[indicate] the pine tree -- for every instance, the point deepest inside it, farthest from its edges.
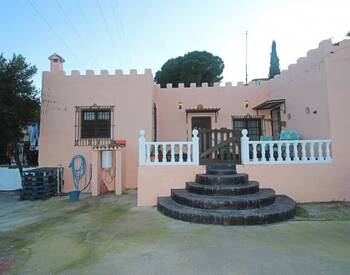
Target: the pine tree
(194, 67)
(274, 61)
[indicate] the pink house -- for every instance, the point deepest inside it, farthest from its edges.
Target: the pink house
(84, 113)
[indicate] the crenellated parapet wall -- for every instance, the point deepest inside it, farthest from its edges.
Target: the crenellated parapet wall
(313, 60)
(216, 85)
(304, 64)
(306, 92)
(117, 73)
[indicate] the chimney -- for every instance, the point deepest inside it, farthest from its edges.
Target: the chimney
(56, 63)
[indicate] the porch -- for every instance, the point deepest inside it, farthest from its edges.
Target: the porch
(301, 169)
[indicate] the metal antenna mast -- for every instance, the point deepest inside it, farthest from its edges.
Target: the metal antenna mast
(246, 58)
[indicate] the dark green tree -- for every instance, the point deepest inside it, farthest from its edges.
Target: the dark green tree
(19, 104)
(274, 61)
(194, 67)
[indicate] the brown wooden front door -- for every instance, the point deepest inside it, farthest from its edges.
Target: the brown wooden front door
(201, 122)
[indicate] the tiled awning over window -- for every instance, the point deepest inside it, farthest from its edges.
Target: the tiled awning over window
(270, 104)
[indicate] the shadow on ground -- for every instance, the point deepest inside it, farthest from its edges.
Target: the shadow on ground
(110, 235)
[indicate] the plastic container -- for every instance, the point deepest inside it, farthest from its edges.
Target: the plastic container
(74, 195)
(106, 160)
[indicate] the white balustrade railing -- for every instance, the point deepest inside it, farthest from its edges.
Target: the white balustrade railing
(284, 151)
(168, 152)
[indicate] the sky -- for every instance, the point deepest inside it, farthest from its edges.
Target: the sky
(139, 34)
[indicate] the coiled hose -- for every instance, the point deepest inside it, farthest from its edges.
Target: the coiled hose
(79, 172)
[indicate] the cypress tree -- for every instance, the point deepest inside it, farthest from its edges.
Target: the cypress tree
(274, 61)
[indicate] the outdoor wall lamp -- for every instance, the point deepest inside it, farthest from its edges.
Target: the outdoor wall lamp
(246, 103)
(179, 105)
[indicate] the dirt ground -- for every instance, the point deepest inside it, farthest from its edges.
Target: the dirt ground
(110, 235)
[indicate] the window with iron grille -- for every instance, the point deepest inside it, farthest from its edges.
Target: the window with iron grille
(251, 123)
(93, 125)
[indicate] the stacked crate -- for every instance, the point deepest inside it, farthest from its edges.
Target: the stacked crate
(40, 183)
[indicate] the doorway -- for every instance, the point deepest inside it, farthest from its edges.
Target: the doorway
(276, 123)
(201, 122)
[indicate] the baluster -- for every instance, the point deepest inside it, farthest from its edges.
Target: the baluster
(295, 152)
(180, 153)
(263, 158)
(312, 151)
(328, 151)
(320, 151)
(148, 153)
(172, 152)
(279, 152)
(164, 152)
(272, 157)
(184, 147)
(189, 152)
(288, 152)
(156, 152)
(255, 159)
(303, 151)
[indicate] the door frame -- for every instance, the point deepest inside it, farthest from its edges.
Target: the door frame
(189, 124)
(272, 122)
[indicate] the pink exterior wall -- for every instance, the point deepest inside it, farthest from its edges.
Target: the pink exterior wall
(231, 99)
(155, 181)
(302, 182)
(319, 81)
(304, 85)
(338, 82)
(131, 95)
(319, 182)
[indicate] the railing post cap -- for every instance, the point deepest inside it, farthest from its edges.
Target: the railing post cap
(244, 132)
(142, 133)
(195, 132)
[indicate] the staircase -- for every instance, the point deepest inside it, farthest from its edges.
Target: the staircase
(223, 196)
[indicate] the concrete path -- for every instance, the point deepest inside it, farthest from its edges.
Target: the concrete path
(109, 235)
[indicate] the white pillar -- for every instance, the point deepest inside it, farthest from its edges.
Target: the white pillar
(195, 147)
(244, 147)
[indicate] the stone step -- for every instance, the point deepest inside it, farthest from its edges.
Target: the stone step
(222, 189)
(221, 166)
(282, 209)
(262, 198)
(221, 171)
(222, 179)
